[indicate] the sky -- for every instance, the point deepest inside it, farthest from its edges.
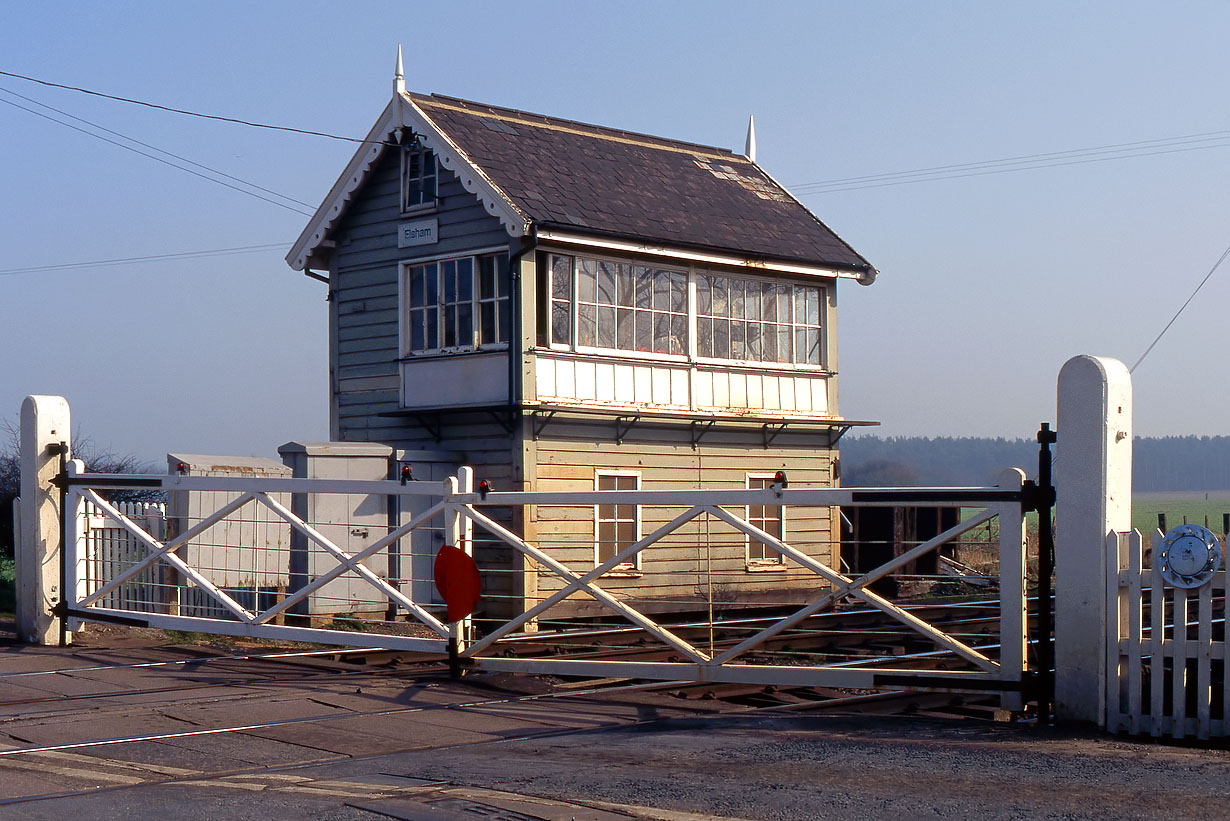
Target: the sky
(988, 282)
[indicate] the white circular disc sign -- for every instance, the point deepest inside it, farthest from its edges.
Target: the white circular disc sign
(1188, 556)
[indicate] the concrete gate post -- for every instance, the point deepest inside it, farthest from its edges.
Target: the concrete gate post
(1093, 487)
(44, 426)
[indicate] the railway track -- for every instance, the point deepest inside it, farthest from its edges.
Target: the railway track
(91, 752)
(835, 637)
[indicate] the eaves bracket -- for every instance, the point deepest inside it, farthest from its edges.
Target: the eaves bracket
(699, 428)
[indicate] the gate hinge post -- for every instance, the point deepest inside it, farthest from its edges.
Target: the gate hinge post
(457, 665)
(1036, 498)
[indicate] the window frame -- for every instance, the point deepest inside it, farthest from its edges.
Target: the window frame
(406, 188)
(691, 316)
(406, 306)
(632, 568)
(793, 326)
(763, 562)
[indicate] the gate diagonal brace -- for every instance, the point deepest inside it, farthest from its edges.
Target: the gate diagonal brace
(586, 583)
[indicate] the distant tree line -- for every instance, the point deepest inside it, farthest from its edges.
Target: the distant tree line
(1158, 463)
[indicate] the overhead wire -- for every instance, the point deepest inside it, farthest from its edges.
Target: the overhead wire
(214, 252)
(1216, 265)
(190, 113)
(1028, 162)
(952, 171)
(210, 169)
(155, 157)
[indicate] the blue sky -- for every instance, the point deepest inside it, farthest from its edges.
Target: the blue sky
(988, 283)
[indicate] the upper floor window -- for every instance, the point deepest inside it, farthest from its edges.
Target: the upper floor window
(757, 321)
(618, 305)
(623, 306)
(457, 304)
(418, 178)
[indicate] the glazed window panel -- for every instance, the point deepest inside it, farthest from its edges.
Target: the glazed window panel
(752, 320)
(770, 519)
(458, 304)
(418, 178)
(618, 306)
(424, 307)
(616, 526)
(561, 300)
(495, 315)
(600, 304)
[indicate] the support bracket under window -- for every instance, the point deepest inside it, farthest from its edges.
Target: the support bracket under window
(699, 429)
(623, 425)
(504, 419)
(837, 432)
(541, 420)
(771, 431)
(431, 424)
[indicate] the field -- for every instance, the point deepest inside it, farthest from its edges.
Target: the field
(1191, 506)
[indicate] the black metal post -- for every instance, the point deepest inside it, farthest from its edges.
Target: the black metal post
(62, 604)
(454, 659)
(1046, 576)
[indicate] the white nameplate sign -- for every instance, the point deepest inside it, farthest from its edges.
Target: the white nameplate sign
(419, 232)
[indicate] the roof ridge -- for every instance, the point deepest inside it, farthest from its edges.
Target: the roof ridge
(564, 121)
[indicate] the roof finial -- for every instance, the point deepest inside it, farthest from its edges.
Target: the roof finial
(399, 77)
(749, 150)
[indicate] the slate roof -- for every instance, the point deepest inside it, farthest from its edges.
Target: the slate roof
(594, 179)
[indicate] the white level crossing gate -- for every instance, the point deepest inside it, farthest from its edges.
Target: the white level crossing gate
(714, 636)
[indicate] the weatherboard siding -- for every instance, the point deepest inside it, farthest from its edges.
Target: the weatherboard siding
(699, 559)
(365, 373)
(365, 272)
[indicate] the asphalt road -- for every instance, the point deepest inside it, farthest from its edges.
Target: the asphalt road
(81, 737)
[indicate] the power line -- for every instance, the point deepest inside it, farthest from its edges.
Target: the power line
(191, 113)
(156, 158)
(101, 263)
(154, 147)
(1097, 149)
(1080, 156)
(954, 171)
(1216, 265)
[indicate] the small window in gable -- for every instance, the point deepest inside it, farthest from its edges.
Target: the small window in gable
(418, 179)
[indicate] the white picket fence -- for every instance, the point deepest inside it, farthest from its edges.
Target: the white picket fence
(110, 548)
(1166, 666)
